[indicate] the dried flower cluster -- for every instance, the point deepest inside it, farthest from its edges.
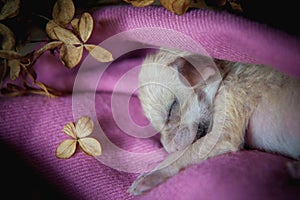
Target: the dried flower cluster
(9, 58)
(12, 61)
(67, 34)
(72, 41)
(180, 7)
(79, 132)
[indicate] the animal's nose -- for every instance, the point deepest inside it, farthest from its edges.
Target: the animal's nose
(202, 129)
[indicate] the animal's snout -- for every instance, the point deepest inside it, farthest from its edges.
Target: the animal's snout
(202, 129)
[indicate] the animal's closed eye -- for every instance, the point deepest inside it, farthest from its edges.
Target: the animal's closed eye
(171, 109)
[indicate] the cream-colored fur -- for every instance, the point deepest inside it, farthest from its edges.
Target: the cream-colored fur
(235, 103)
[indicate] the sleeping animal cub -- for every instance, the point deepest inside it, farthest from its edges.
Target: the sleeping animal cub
(204, 108)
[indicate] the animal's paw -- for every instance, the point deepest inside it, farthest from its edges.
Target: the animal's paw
(146, 182)
(294, 169)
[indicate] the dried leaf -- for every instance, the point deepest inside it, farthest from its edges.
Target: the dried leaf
(139, 3)
(90, 146)
(178, 7)
(31, 73)
(15, 69)
(65, 35)
(49, 46)
(84, 127)
(13, 90)
(236, 6)
(13, 87)
(10, 9)
(86, 25)
(7, 38)
(31, 90)
(50, 29)
(66, 148)
(52, 91)
(46, 90)
(7, 54)
(70, 55)
(69, 129)
(75, 26)
(99, 53)
(63, 12)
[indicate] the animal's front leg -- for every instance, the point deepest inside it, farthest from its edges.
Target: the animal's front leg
(209, 146)
(160, 174)
(149, 180)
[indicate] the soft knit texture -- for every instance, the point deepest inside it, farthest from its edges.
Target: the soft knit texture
(32, 124)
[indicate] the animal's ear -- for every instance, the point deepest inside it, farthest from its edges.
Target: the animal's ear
(194, 69)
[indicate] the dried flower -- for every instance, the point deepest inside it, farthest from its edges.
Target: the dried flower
(11, 57)
(68, 34)
(73, 41)
(180, 7)
(79, 132)
(140, 3)
(16, 63)
(176, 6)
(10, 9)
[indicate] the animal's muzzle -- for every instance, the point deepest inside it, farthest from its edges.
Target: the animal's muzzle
(202, 130)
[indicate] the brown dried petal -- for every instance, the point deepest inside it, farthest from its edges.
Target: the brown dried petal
(7, 38)
(50, 29)
(75, 26)
(236, 6)
(70, 55)
(9, 54)
(10, 9)
(99, 53)
(84, 127)
(69, 129)
(86, 25)
(15, 69)
(66, 36)
(139, 3)
(63, 12)
(66, 148)
(49, 46)
(178, 7)
(90, 146)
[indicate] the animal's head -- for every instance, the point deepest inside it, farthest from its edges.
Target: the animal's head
(176, 90)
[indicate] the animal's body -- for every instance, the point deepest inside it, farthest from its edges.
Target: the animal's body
(216, 108)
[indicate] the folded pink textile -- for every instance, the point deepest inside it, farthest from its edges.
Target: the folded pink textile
(32, 124)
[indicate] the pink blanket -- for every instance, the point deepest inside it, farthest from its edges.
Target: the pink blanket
(32, 124)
